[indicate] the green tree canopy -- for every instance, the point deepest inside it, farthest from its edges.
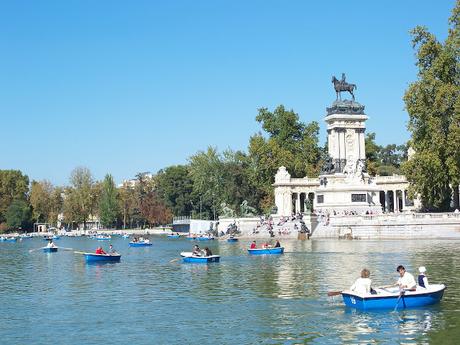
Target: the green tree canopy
(13, 186)
(80, 199)
(434, 117)
(175, 186)
(290, 142)
(108, 203)
(18, 215)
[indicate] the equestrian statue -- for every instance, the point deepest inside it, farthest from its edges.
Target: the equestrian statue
(343, 86)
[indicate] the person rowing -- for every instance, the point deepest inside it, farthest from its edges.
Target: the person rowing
(196, 250)
(50, 244)
(100, 251)
(406, 281)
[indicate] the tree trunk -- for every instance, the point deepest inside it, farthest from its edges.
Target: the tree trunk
(456, 197)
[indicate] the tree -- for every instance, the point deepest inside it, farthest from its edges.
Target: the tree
(108, 203)
(175, 187)
(40, 200)
(207, 174)
(434, 117)
(127, 203)
(18, 215)
(79, 202)
(13, 186)
(290, 142)
(150, 204)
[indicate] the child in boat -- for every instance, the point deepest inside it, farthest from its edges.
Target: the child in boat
(362, 285)
(112, 251)
(253, 245)
(422, 279)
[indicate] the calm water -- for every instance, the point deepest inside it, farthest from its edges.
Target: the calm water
(146, 299)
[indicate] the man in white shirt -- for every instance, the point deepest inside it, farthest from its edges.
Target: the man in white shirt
(406, 280)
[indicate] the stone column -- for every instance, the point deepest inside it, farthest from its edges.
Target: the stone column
(387, 202)
(395, 201)
(362, 145)
(297, 203)
(403, 195)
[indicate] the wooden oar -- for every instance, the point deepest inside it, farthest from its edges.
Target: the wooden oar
(33, 250)
(334, 293)
(77, 252)
(174, 260)
(63, 248)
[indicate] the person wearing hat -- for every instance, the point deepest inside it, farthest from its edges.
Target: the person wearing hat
(422, 279)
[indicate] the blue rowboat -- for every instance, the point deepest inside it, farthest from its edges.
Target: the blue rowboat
(125, 236)
(50, 249)
(91, 257)
(232, 240)
(204, 238)
(258, 251)
(188, 257)
(140, 244)
(55, 237)
(173, 236)
(10, 239)
(392, 299)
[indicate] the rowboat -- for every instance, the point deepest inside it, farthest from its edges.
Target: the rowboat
(205, 238)
(25, 236)
(189, 257)
(50, 249)
(139, 244)
(174, 236)
(103, 238)
(92, 257)
(56, 237)
(258, 251)
(9, 239)
(232, 239)
(125, 236)
(394, 299)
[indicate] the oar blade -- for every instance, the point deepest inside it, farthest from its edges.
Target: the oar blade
(334, 293)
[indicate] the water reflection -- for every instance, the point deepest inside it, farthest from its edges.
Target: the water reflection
(274, 299)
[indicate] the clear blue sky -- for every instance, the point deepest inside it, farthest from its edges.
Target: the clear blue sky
(129, 86)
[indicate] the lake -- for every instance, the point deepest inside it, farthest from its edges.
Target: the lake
(275, 299)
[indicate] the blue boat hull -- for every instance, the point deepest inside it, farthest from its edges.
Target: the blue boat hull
(103, 238)
(214, 258)
(10, 240)
(101, 258)
(232, 240)
(173, 236)
(393, 302)
(139, 244)
(50, 250)
(279, 250)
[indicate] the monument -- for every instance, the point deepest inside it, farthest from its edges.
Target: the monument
(343, 184)
(344, 181)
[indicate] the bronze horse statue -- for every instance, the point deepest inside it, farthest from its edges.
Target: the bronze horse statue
(341, 86)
